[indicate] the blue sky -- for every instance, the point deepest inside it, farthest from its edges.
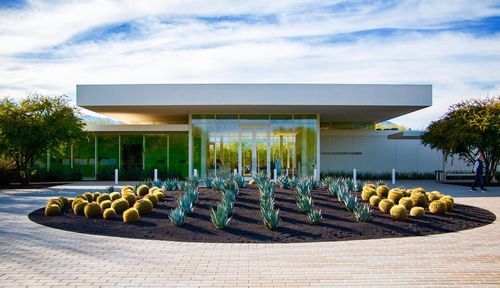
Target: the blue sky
(50, 46)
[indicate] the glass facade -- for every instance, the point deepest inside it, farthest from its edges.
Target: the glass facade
(254, 143)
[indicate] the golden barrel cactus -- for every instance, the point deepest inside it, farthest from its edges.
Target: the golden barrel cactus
(418, 199)
(417, 212)
(131, 215)
(395, 195)
(103, 197)
(109, 213)
(406, 202)
(382, 191)
(152, 198)
(143, 206)
(120, 205)
(399, 213)
(385, 205)
(92, 210)
(52, 210)
(367, 193)
(105, 204)
(374, 200)
(437, 207)
(142, 190)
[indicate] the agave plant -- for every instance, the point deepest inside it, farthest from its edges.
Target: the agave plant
(284, 182)
(177, 216)
(271, 218)
(193, 195)
(304, 203)
(294, 182)
(220, 217)
(363, 212)
(157, 184)
(239, 180)
(209, 182)
(194, 180)
(267, 203)
(170, 184)
(304, 188)
(110, 189)
(314, 183)
(261, 178)
(228, 205)
(186, 204)
(266, 189)
(349, 201)
(218, 183)
(315, 216)
(229, 185)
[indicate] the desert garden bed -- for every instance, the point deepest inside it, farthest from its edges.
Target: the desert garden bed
(246, 225)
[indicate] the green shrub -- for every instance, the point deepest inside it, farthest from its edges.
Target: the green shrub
(105, 204)
(406, 202)
(144, 206)
(399, 213)
(95, 195)
(88, 195)
(382, 191)
(120, 205)
(79, 208)
(160, 195)
(142, 190)
(52, 210)
(152, 198)
(367, 193)
(109, 213)
(65, 202)
(417, 212)
(92, 210)
(130, 198)
(103, 197)
(437, 207)
(114, 196)
(131, 215)
(395, 195)
(385, 205)
(418, 199)
(374, 200)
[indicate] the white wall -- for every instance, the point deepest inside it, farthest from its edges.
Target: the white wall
(372, 151)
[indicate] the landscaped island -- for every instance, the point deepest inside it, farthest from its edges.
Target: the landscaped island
(290, 210)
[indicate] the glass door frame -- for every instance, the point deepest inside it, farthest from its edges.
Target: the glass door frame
(253, 128)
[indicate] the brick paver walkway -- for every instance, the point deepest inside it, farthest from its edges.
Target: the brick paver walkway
(32, 255)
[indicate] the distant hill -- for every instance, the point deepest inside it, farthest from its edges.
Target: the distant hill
(99, 120)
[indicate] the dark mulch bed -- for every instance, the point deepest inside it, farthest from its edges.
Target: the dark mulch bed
(246, 226)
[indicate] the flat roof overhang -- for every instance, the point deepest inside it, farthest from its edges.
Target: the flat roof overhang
(172, 103)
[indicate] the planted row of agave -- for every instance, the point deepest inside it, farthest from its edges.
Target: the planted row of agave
(270, 215)
(223, 213)
(340, 188)
(305, 203)
(186, 202)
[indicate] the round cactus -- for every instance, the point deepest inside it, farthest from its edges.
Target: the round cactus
(437, 207)
(95, 195)
(143, 206)
(369, 185)
(417, 212)
(120, 205)
(127, 189)
(395, 195)
(88, 195)
(77, 201)
(142, 190)
(152, 198)
(367, 193)
(434, 195)
(130, 197)
(92, 210)
(105, 204)
(52, 210)
(406, 193)
(159, 194)
(65, 202)
(375, 200)
(448, 203)
(109, 213)
(385, 205)
(406, 202)
(56, 201)
(382, 191)
(131, 215)
(79, 208)
(399, 213)
(114, 196)
(418, 199)
(152, 190)
(103, 197)
(449, 198)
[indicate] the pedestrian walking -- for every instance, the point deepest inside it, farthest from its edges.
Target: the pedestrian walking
(480, 172)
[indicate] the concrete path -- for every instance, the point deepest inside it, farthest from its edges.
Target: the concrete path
(32, 255)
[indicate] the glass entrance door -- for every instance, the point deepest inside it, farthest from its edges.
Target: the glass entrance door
(254, 150)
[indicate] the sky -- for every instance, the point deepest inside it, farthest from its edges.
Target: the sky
(50, 46)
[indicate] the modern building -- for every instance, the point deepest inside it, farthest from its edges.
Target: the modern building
(218, 129)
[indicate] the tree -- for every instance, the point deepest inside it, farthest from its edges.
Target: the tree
(467, 129)
(31, 127)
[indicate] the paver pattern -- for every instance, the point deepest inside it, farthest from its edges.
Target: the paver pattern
(32, 255)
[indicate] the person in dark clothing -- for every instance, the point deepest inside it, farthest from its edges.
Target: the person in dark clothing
(479, 171)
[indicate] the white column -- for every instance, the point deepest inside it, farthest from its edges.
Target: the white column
(155, 176)
(116, 176)
(318, 152)
(354, 175)
(393, 176)
(190, 148)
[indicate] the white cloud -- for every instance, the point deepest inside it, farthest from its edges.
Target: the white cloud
(173, 45)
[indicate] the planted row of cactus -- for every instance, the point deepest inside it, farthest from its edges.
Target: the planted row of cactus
(270, 215)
